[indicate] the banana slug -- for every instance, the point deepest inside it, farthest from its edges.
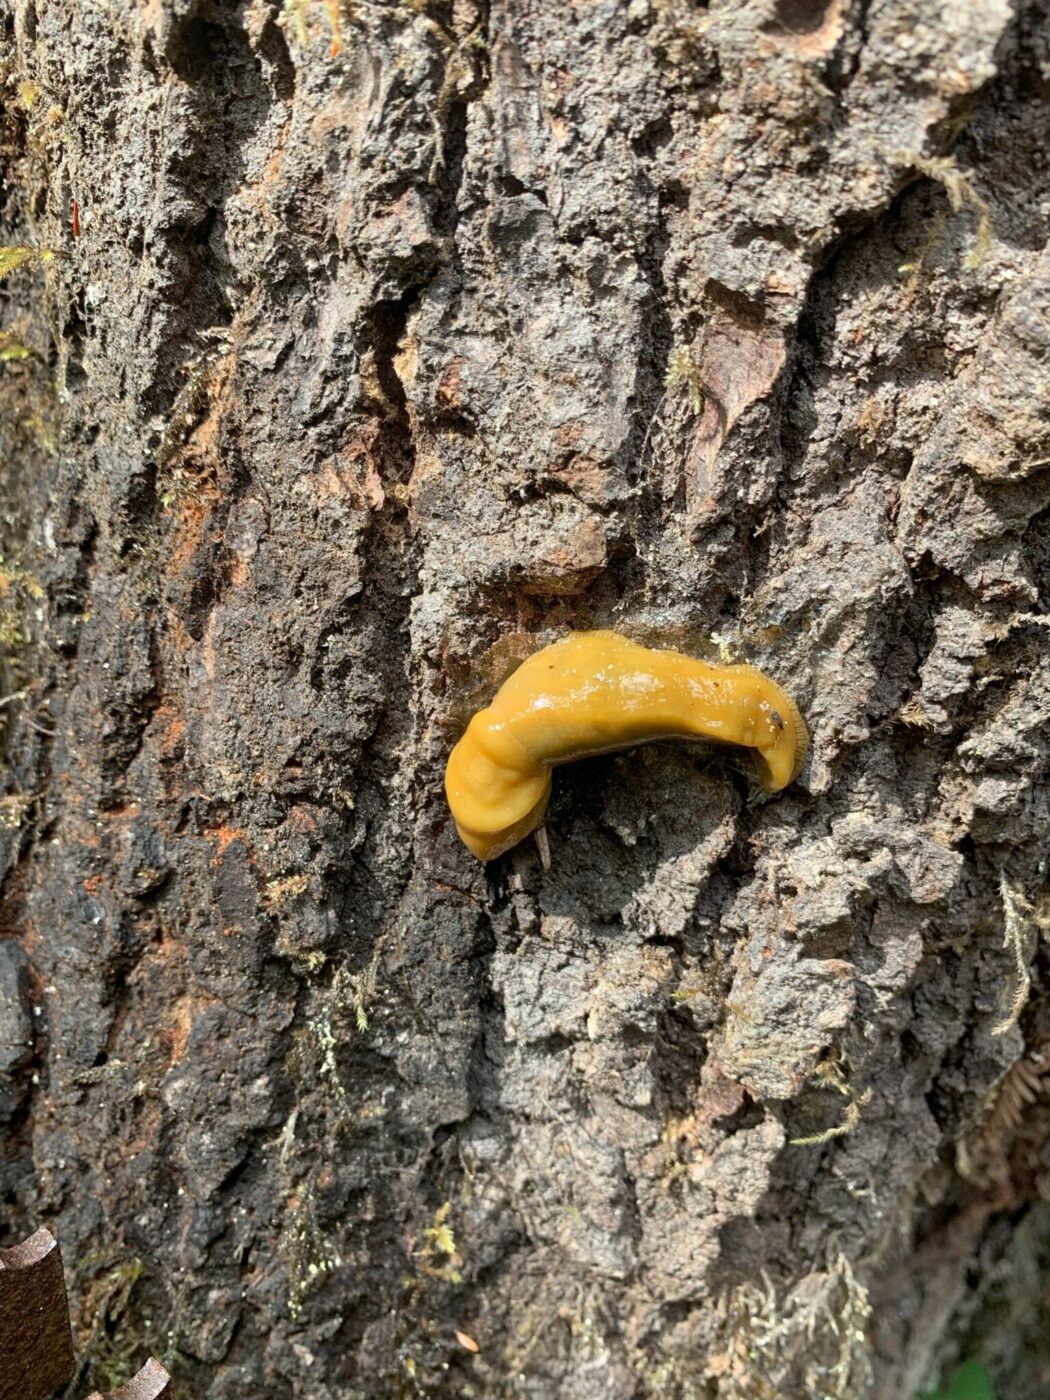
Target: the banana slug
(592, 693)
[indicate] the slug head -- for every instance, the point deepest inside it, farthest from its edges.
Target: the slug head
(781, 742)
(497, 795)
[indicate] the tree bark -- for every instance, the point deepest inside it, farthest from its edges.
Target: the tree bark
(353, 351)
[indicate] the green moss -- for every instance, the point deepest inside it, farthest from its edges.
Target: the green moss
(311, 1257)
(116, 1344)
(683, 373)
(810, 1343)
(962, 194)
(829, 1075)
(14, 256)
(970, 1382)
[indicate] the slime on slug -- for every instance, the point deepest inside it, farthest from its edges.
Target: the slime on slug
(593, 693)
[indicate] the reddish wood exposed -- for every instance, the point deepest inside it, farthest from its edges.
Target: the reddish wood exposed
(36, 1346)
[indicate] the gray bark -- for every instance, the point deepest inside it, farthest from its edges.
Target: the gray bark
(395, 339)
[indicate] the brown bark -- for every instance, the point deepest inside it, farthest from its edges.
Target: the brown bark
(36, 1348)
(393, 339)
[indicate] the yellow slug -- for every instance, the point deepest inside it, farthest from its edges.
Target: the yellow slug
(594, 692)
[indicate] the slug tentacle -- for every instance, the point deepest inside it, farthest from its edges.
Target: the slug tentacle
(595, 692)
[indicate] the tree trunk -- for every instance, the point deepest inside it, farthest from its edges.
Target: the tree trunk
(351, 352)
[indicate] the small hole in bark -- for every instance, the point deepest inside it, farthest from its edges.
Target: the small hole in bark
(749, 1115)
(675, 195)
(199, 48)
(801, 16)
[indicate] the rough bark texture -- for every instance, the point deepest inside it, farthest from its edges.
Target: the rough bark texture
(36, 1344)
(394, 339)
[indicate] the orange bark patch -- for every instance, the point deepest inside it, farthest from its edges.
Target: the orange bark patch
(168, 727)
(223, 836)
(178, 1030)
(447, 392)
(301, 820)
(193, 518)
(585, 476)
(181, 637)
(567, 436)
(354, 473)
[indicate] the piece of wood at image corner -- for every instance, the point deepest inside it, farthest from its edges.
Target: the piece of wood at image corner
(151, 1383)
(36, 1344)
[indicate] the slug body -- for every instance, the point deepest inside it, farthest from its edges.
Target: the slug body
(592, 693)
